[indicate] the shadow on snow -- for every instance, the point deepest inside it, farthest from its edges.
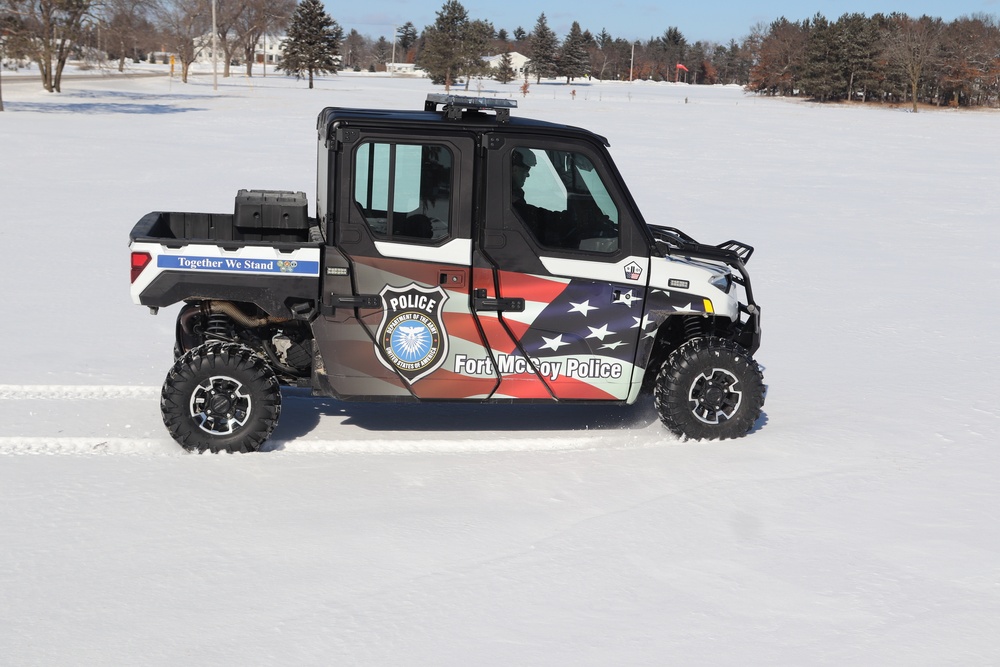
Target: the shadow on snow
(120, 103)
(97, 108)
(301, 413)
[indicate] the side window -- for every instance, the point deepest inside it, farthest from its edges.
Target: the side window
(562, 200)
(404, 190)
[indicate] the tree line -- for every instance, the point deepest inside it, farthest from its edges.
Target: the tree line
(52, 32)
(885, 57)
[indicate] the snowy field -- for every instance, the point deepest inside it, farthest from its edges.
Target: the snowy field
(855, 525)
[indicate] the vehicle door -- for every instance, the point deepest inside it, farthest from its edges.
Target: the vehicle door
(561, 272)
(404, 238)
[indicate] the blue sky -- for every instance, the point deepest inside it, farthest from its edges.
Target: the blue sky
(708, 20)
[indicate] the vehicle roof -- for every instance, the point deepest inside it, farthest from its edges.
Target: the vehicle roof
(471, 121)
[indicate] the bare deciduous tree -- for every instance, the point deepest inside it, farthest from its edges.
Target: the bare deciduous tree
(778, 58)
(48, 31)
(125, 23)
(260, 18)
(228, 14)
(912, 45)
(969, 62)
(184, 24)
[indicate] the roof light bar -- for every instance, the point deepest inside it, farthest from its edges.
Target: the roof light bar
(454, 105)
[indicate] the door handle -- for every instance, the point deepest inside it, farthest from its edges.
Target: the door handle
(511, 304)
(451, 278)
(358, 301)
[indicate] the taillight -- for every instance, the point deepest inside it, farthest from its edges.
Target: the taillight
(140, 260)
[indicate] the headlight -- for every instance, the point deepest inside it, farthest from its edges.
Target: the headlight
(723, 281)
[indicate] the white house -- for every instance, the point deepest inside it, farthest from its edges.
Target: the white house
(404, 69)
(517, 62)
(268, 51)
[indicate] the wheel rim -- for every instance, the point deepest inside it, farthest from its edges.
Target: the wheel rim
(714, 396)
(219, 406)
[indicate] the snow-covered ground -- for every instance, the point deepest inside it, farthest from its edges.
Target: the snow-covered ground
(855, 526)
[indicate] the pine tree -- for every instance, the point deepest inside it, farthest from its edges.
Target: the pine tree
(505, 69)
(382, 51)
(406, 39)
(824, 66)
(673, 49)
(728, 61)
(444, 54)
(478, 35)
(778, 58)
(860, 52)
(313, 44)
(573, 58)
(695, 59)
(544, 50)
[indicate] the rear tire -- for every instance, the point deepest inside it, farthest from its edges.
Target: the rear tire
(709, 389)
(220, 397)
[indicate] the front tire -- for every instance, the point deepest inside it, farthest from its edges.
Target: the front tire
(220, 397)
(709, 389)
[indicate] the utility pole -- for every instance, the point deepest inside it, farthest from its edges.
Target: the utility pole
(392, 72)
(215, 50)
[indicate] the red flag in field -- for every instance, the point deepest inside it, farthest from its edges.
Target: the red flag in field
(679, 66)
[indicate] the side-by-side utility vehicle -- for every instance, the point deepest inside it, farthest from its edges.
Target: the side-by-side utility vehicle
(457, 253)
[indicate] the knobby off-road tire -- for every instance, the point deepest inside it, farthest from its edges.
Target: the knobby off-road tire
(709, 389)
(220, 397)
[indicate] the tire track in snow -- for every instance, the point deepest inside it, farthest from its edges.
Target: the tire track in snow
(68, 445)
(62, 445)
(72, 392)
(438, 445)
(429, 442)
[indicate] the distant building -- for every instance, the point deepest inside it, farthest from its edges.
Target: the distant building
(404, 69)
(518, 62)
(269, 50)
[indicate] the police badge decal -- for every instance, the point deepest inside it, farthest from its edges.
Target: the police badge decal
(410, 338)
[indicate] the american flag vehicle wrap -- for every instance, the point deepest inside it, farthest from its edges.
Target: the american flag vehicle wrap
(575, 339)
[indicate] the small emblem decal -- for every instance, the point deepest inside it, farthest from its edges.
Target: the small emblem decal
(633, 271)
(411, 339)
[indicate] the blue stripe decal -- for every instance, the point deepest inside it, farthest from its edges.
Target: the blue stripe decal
(296, 267)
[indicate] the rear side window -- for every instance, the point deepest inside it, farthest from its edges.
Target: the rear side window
(404, 190)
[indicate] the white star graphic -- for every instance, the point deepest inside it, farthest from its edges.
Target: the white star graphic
(584, 307)
(553, 343)
(613, 346)
(643, 323)
(601, 333)
(683, 308)
(627, 298)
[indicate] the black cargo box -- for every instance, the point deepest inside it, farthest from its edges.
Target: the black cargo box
(258, 210)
